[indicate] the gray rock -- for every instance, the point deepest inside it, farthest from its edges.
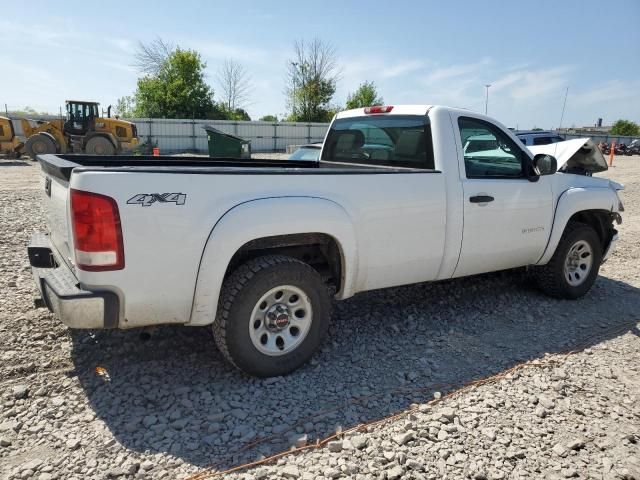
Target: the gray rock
(490, 433)
(403, 438)
(359, 441)
(448, 413)
(299, 440)
(335, 446)
(149, 420)
(546, 402)
(33, 465)
(395, 473)
(5, 442)
(73, 444)
(239, 413)
(9, 425)
(179, 424)
(20, 392)
(332, 473)
(575, 444)
(290, 471)
(560, 450)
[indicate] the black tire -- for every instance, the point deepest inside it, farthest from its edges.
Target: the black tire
(240, 294)
(99, 146)
(552, 279)
(39, 144)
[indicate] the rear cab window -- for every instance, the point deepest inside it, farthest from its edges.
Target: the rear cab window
(381, 140)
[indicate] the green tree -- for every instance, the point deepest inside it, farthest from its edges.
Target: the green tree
(125, 106)
(625, 127)
(311, 81)
(236, 114)
(178, 90)
(269, 118)
(365, 96)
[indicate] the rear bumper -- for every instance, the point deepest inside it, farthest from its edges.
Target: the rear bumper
(61, 292)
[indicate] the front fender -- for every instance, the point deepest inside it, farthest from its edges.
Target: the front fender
(572, 201)
(265, 218)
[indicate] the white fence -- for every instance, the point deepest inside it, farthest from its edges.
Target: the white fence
(181, 135)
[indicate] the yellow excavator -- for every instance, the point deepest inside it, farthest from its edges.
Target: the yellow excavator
(82, 131)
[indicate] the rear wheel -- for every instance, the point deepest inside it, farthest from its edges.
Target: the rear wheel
(39, 144)
(273, 314)
(99, 146)
(574, 267)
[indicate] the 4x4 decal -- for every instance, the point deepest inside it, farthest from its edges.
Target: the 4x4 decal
(148, 199)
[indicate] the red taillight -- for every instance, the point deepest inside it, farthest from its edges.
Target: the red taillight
(378, 109)
(97, 234)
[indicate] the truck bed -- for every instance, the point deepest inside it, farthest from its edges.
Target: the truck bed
(61, 166)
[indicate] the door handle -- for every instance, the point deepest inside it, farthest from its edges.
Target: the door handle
(481, 199)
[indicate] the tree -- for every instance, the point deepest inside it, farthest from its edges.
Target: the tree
(150, 57)
(237, 114)
(269, 118)
(625, 127)
(235, 85)
(311, 81)
(125, 106)
(365, 96)
(178, 90)
(536, 129)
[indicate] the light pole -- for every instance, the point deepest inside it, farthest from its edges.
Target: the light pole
(486, 101)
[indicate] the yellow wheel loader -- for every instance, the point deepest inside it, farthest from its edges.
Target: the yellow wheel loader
(82, 131)
(10, 144)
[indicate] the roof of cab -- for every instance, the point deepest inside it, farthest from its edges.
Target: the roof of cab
(397, 110)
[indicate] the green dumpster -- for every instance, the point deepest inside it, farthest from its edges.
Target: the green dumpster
(225, 145)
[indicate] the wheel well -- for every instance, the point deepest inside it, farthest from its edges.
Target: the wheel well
(319, 250)
(600, 221)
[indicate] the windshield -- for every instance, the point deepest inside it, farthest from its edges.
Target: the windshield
(306, 153)
(389, 140)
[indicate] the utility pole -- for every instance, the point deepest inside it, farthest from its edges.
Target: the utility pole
(486, 101)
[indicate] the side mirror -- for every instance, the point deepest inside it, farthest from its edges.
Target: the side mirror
(545, 164)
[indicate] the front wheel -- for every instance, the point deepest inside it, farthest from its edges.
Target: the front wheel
(273, 314)
(99, 146)
(574, 267)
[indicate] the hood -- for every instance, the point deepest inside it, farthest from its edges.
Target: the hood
(574, 156)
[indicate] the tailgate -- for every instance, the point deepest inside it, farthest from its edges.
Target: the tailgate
(55, 199)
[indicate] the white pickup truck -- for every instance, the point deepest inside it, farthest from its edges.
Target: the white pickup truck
(401, 194)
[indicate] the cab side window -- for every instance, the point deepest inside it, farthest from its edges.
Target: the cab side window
(488, 151)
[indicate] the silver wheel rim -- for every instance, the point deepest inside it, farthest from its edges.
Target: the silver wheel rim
(578, 263)
(280, 320)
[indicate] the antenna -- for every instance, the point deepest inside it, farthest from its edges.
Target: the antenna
(564, 104)
(566, 93)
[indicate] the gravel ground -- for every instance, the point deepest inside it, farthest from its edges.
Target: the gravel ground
(164, 404)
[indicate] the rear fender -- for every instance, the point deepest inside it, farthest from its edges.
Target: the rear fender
(262, 218)
(573, 201)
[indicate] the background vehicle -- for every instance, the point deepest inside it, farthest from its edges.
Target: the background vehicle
(307, 152)
(254, 247)
(634, 148)
(83, 131)
(10, 144)
(537, 137)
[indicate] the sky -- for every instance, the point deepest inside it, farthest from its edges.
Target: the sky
(416, 52)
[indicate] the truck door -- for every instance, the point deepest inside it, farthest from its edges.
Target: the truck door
(507, 218)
